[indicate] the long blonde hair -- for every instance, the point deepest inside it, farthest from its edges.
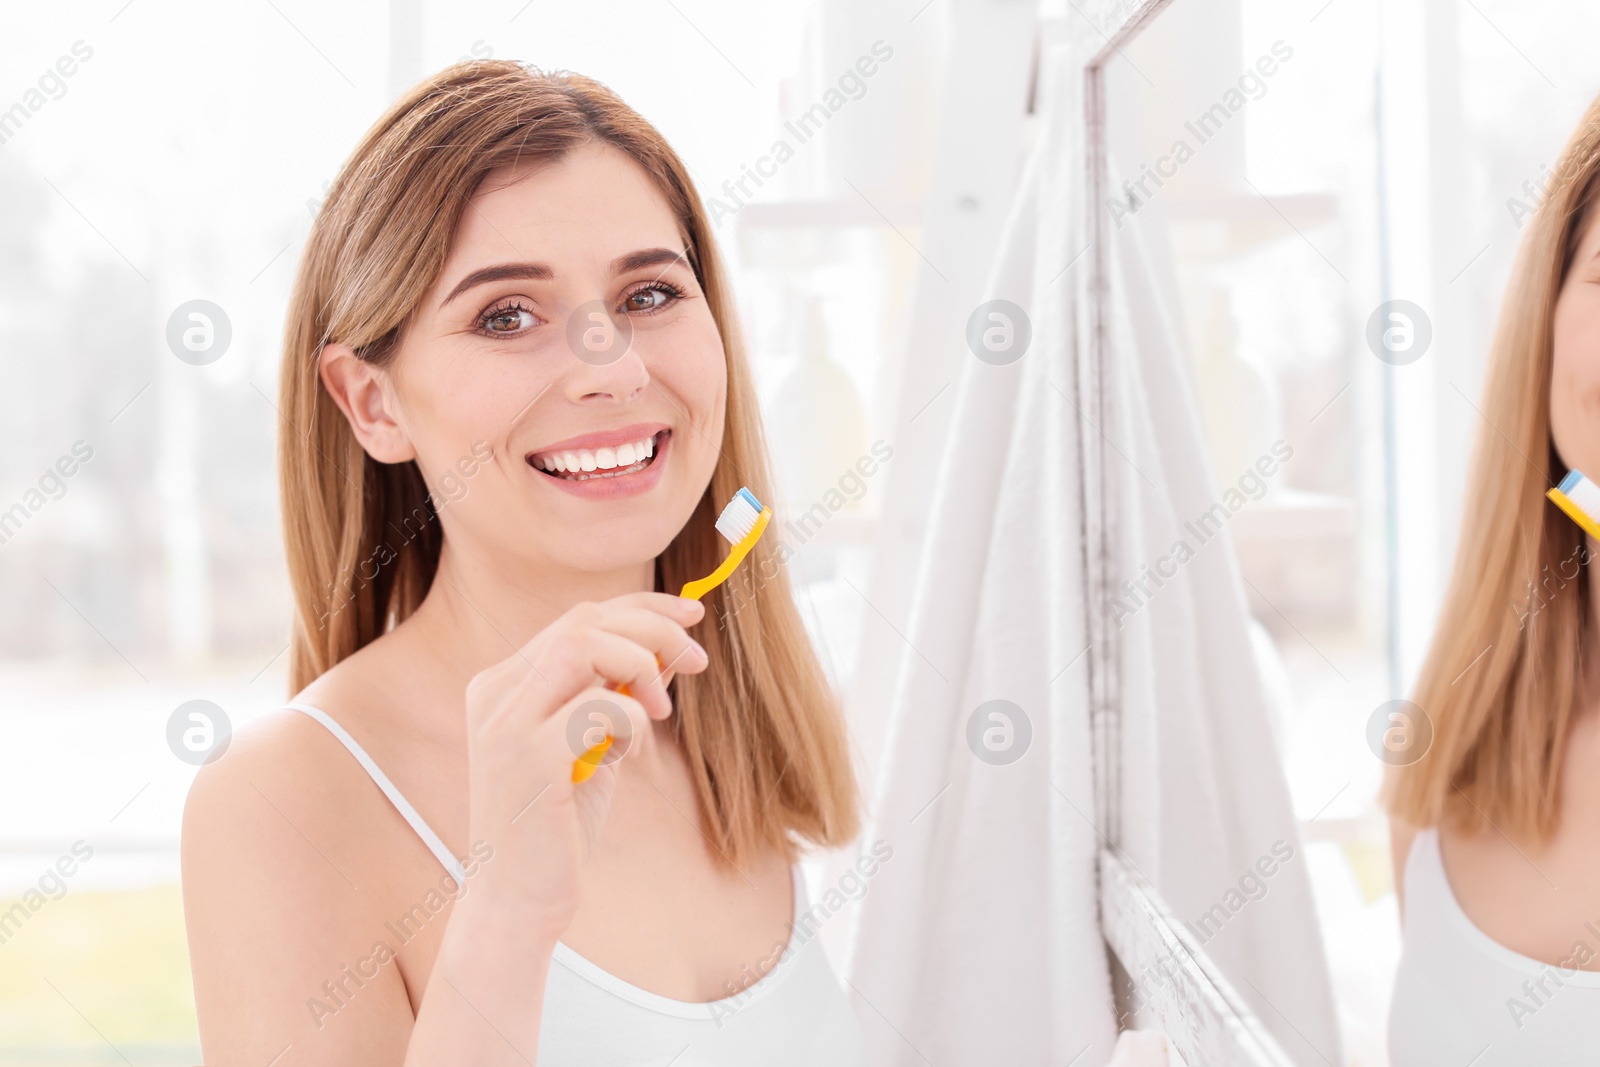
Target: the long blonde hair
(1502, 673)
(762, 728)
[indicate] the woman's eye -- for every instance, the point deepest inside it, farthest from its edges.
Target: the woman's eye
(651, 297)
(507, 320)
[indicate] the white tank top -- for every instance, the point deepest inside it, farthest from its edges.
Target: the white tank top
(795, 1015)
(1461, 997)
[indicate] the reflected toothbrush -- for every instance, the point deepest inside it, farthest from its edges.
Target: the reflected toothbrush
(1580, 499)
(742, 522)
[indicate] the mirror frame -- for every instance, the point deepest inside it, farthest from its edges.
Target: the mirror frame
(1164, 968)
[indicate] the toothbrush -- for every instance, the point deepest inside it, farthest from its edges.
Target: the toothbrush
(1580, 499)
(742, 523)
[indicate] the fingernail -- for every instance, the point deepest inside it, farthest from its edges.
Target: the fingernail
(699, 649)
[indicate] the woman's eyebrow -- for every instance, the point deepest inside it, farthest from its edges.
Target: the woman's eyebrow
(649, 257)
(540, 272)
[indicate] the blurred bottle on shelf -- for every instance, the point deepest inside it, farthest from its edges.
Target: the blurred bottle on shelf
(818, 426)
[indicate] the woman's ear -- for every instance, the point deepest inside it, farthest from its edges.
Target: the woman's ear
(361, 390)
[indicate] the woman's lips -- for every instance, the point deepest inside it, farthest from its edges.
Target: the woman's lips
(627, 481)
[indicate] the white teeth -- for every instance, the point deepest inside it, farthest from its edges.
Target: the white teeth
(602, 459)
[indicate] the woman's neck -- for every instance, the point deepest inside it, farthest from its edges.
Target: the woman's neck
(480, 611)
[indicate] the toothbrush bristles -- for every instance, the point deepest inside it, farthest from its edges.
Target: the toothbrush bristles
(739, 517)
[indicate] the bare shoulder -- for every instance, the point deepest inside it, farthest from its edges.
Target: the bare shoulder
(282, 761)
(278, 896)
(277, 820)
(286, 782)
(293, 859)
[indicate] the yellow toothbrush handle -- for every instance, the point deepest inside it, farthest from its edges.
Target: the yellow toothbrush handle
(584, 766)
(699, 588)
(1574, 512)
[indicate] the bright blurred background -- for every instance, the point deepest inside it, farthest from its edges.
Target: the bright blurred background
(184, 157)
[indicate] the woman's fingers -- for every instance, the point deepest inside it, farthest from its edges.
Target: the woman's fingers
(589, 718)
(673, 649)
(624, 661)
(638, 640)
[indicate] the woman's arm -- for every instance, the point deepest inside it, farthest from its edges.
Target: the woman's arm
(279, 902)
(487, 985)
(287, 944)
(292, 963)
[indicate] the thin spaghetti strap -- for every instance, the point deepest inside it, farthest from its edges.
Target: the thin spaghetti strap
(401, 804)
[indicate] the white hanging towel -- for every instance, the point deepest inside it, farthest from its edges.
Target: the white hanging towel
(980, 942)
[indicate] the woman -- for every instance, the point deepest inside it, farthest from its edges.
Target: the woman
(1495, 819)
(513, 270)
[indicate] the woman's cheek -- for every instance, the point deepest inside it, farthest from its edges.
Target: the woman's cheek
(1575, 379)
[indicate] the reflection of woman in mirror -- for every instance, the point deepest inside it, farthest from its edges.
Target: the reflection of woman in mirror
(1496, 821)
(472, 568)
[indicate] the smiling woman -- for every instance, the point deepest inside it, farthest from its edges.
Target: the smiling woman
(1493, 802)
(513, 265)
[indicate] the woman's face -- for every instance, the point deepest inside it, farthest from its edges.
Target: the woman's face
(566, 325)
(1575, 359)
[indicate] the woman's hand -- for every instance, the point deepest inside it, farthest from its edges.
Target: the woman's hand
(532, 715)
